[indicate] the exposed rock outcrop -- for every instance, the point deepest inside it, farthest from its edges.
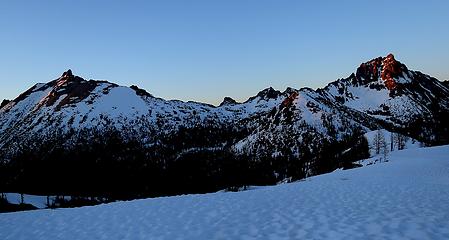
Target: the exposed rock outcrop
(227, 101)
(4, 103)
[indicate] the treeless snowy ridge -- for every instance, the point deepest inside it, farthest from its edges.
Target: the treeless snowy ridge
(405, 198)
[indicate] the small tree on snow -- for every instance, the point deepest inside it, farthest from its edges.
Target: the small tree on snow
(380, 145)
(391, 142)
(400, 141)
(384, 150)
(378, 141)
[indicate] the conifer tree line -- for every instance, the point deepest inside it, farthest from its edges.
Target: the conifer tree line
(380, 146)
(108, 164)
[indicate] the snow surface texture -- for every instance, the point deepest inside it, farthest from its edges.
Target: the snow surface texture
(405, 198)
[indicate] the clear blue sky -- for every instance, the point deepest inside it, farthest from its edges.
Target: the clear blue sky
(205, 50)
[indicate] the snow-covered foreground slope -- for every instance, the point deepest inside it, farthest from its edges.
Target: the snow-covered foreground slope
(406, 198)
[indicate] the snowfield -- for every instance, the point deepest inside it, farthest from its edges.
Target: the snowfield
(405, 198)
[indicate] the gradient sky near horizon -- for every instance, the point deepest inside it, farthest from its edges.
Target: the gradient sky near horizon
(206, 50)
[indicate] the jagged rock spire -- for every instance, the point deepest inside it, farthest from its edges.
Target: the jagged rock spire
(67, 74)
(228, 101)
(385, 68)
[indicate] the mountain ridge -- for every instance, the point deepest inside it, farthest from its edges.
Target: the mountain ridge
(270, 137)
(392, 84)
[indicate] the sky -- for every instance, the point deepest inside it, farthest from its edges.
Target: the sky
(206, 50)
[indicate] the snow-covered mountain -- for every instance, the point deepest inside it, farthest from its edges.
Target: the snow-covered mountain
(385, 89)
(382, 92)
(293, 129)
(381, 89)
(71, 102)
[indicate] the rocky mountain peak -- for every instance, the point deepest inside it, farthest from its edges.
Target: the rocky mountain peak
(269, 93)
(391, 69)
(4, 103)
(266, 94)
(228, 101)
(67, 74)
(369, 71)
(68, 89)
(385, 68)
(66, 78)
(289, 91)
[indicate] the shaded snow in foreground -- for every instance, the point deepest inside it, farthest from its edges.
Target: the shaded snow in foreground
(406, 198)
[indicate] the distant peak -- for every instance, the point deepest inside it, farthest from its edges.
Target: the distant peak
(385, 68)
(389, 60)
(228, 101)
(269, 93)
(67, 74)
(390, 55)
(290, 90)
(266, 94)
(67, 78)
(4, 103)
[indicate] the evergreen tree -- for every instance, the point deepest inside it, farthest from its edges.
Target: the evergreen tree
(384, 150)
(378, 141)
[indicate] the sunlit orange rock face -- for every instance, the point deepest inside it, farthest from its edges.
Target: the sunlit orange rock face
(369, 71)
(390, 70)
(289, 100)
(69, 89)
(387, 67)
